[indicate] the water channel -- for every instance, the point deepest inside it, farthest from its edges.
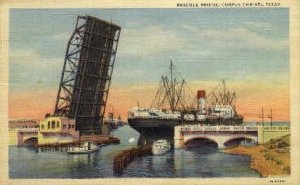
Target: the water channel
(204, 161)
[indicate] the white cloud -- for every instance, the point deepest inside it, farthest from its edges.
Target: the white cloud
(61, 36)
(241, 37)
(30, 56)
(190, 28)
(133, 73)
(27, 66)
(27, 53)
(259, 25)
(149, 41)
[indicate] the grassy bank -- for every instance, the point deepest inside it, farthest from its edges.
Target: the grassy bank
(270, 159)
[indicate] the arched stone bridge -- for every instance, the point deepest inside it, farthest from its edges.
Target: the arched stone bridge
(224, 134)
(28, 136)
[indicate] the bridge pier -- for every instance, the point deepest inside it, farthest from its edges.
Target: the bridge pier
(178, 138)
(221, 146)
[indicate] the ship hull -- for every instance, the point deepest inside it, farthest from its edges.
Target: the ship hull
(152, 129)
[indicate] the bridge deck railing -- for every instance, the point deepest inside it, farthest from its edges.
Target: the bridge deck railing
(28, 130)
(216, 128)
(230, 128)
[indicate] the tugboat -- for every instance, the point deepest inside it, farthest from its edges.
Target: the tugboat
(161, 147)
(85, 148)
(112, 122)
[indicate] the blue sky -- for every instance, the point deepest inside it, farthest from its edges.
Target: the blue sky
(205, 44)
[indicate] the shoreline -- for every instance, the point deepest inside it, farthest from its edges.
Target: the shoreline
(266, 159)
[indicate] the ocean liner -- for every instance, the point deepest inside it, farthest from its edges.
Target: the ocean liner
(172, 106)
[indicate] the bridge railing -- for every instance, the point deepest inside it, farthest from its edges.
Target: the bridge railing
(216, 128)
(276, 128)
(28, 130)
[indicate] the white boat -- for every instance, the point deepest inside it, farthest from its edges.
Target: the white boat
(84, 148)
(160, 147)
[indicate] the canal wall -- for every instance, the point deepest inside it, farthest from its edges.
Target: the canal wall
(13, 137)
(266, 133)
(47, 138)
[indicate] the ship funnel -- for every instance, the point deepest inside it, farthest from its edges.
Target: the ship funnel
(201, 99)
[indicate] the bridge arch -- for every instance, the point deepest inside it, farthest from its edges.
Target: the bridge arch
(234, 141)
(200, 140)
(31, 141)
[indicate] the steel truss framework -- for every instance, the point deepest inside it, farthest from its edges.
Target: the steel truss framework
(87, 71)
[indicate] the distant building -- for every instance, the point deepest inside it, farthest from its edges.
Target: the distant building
(22, 123)
(15, 124)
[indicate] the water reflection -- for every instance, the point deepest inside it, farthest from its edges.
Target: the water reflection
(195, 161)
(200, 143)
(33, 149)
(240, 141)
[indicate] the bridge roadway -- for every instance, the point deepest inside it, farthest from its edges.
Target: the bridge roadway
(222, 134)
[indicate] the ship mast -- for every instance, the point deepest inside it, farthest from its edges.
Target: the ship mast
(221, 96)
(170, 92)
(262, 116)
(172, 88)
(271, 117)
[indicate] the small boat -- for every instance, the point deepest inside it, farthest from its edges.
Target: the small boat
(131, 140)
(84, 148)
(160, 147)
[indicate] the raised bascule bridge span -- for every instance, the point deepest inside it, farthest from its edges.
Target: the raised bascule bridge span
(87, 73)
(222, 135)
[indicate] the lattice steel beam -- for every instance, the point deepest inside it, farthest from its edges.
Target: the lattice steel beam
(87, 72)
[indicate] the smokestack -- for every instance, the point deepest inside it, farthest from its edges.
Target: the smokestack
(201, 99)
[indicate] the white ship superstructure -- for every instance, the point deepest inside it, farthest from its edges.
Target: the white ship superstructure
(152, 113)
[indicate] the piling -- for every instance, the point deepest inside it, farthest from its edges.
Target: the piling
(100, 139)
(126, 156)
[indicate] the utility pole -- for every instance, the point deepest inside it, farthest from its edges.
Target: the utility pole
(271, 117)
(262, 116)
(138, 104)
(262, 121)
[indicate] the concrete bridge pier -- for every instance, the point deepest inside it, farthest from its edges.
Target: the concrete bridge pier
(221, 146)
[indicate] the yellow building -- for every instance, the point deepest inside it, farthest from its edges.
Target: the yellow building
(54, 130)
